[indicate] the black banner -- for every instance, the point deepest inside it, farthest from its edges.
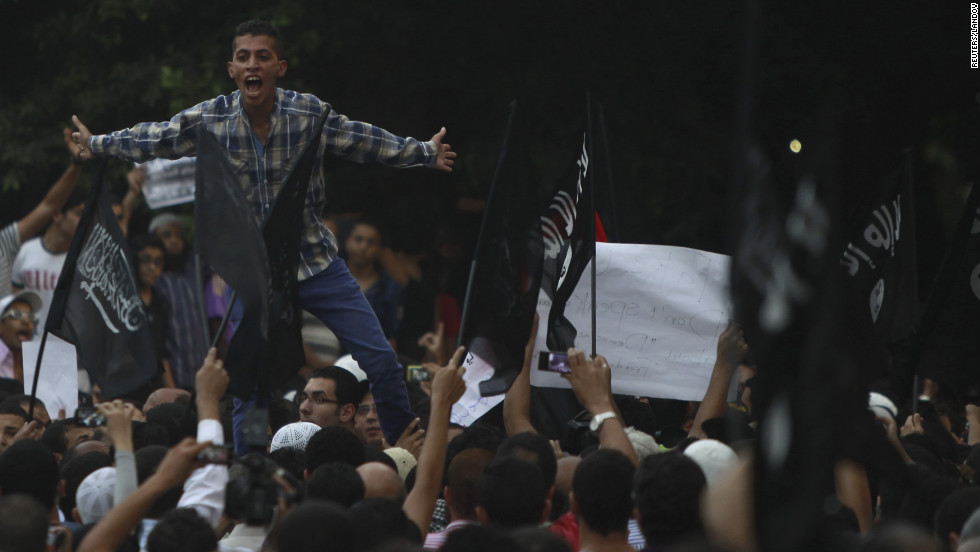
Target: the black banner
(506, 273)
(97, 305)
(231, 242)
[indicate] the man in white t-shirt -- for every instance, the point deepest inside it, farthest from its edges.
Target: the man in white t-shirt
(13, 234)
(38, 265)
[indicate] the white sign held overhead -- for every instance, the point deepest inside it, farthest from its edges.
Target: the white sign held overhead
(169, 182)
(659, 312)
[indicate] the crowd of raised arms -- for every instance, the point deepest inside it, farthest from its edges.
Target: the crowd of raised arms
(362, 455)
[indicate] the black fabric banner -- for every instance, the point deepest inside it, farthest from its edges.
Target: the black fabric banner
(507, 266)
(231, 242)
(880, 260)
(97, 305)
(282, 232)
(950, 350)
(568, 230)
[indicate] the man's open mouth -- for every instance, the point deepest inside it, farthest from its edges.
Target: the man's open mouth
(253, 84)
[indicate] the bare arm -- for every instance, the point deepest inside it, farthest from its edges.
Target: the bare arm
(591, 382)
(109, 533)
(447, 387)
(135, 177)
(852, 490)
(517, 400)
(973, 419)
(56, 197)
(731, 352)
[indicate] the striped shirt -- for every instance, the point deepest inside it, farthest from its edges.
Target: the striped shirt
(184, 343)
(9, 245)
(262, 168)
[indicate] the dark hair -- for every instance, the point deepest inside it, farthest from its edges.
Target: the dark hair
(511, 491)
(147, 460)
(14, 409)
(23, 523)
(346, 387)
(479, 435)
(334, 444)
(29, 467)
(55, 437)
(954, 511)
(371, 223)
(257, 27)
(601, 486)
(374, 454)
(536, 448)
(282, 412)
(147, 434)
(140, 242)
(74, 471)
(377, 521)
(463, 478)
(536, 539)
(479, 538)
(316, 526)
(290, 459)
(667, 492)
(182, 530)
(75, 198)
(336, 481)
(175, 419)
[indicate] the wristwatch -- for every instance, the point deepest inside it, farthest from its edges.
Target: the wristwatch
(597, 420)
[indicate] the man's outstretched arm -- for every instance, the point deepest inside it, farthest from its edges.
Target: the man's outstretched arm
(56, 197)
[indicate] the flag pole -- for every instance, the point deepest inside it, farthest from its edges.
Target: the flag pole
(37, 374)
(200, 296)
(592, 213)
(224, 320)
(483, 225)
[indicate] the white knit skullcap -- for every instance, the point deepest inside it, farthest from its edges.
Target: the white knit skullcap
(294, 436)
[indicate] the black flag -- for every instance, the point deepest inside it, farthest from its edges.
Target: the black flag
(880, 259)
(97, 305)
(506, 269)
(282, 232)
(232, 244)
(948, 330)
(568, 230)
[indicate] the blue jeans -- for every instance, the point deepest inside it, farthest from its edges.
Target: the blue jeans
(335, 298)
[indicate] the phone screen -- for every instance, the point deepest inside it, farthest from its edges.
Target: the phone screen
(550, 361)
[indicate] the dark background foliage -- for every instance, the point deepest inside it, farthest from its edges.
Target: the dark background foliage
(665, 73)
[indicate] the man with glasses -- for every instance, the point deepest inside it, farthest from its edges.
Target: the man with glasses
(18, 315)
(330, 398)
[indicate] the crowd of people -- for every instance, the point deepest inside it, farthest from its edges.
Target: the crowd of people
(361, 455)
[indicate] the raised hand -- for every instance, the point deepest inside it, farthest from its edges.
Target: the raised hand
(444, 155)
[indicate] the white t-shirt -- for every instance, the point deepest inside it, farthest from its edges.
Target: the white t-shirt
(36, 269)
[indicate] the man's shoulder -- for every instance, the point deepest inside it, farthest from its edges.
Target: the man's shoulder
(31, 248)
(299, 103)
(215, 109)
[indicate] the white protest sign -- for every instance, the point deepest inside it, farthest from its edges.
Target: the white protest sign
(57, 385)
(471, 405)
(659, 312)
(169, 182)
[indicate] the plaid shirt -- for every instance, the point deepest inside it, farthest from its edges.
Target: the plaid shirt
(261, 169)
